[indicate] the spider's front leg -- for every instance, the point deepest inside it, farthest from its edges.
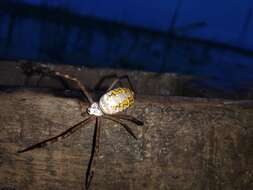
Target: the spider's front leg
(30, 69)
(77, 81)
(43, 70)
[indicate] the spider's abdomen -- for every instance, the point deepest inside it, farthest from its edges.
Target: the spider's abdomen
(116, 100)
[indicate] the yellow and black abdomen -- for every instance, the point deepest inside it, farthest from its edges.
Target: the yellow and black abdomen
(116, 100)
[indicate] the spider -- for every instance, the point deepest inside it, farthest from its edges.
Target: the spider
(109, 106)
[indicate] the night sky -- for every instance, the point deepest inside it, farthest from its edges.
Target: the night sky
(225, 19)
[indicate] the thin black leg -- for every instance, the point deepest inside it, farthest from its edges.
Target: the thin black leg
(56, 138)
(61, 80)
(118, 79)
(94, 154)
(78, 82)
(122, 124)
(43, 70)
(128, 118)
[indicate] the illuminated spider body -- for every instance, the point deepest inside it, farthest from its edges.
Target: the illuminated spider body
(109, 105)
(112, 102)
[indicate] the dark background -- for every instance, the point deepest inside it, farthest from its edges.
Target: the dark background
(209, 39)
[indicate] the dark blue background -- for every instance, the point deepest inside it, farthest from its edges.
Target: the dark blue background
(226, 22)
(225, 18)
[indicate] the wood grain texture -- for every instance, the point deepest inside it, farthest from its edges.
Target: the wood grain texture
(185, 143)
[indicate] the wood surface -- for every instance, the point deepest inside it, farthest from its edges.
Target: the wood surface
(186, 143)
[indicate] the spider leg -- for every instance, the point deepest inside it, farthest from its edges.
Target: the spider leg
(128, 118)
(63, 82)
(118, 80)
(56, 138)
(78, 82)
(43, 70)
(94, 154)
(122, 124)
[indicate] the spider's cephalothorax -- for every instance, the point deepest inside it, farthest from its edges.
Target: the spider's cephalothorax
(108, 107)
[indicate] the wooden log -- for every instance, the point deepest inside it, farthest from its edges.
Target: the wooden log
(165, 84)
(186, 143)
(144, 82)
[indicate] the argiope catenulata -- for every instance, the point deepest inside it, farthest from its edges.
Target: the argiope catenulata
(108, 107)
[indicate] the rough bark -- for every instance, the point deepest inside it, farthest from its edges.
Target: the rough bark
(186, 143)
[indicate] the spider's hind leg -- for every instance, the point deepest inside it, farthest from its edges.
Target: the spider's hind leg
(117, 80)
(56, 138)
(122, 124)
(94, 154)
(128, 118)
